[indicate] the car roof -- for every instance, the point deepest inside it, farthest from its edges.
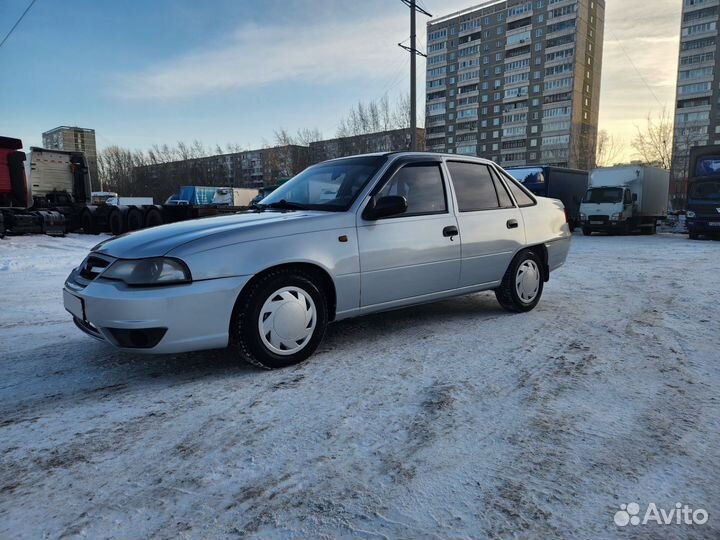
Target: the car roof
(398, 154)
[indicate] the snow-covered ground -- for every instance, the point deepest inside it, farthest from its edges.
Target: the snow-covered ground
(452, 420)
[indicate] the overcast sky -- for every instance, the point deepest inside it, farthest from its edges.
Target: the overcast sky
(233, 71)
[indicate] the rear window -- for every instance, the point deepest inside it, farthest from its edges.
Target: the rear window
(521, 196)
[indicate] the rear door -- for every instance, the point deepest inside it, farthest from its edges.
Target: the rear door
(491, 226)
(411, 254)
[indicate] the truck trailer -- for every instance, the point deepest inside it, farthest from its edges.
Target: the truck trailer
(48, 191)
(625, 199)
(567, 185)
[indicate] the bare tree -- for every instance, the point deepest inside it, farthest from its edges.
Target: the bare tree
(653, 143)
(609, 149)
(376, 116)
(305, 136)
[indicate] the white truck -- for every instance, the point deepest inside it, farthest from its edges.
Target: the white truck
(625, 199)
(234, 196)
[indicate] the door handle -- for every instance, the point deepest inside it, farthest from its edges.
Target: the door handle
(512, 224)
(450, 231)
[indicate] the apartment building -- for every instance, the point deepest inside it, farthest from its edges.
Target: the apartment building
(697, 116)
(75, 139)
(516, 81)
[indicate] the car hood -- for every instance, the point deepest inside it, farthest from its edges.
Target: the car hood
(227, 229)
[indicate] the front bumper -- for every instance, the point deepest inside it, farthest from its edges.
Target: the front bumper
(605, 225)
(703, 225)
(157, 320)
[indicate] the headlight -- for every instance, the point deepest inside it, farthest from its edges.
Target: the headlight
(690, 214)
(583, 217)
(157, 271)
(617, 217)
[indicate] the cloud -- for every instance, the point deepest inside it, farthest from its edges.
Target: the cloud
(256, 56)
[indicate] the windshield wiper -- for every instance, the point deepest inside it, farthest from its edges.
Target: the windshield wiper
(285, 205)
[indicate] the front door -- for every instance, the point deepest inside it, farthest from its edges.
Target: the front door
(414, 253)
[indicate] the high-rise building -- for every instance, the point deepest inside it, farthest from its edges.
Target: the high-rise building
(516, 81)
(75, 139)
(697, 120)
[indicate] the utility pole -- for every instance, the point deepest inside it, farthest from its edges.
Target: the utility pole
(414, 53)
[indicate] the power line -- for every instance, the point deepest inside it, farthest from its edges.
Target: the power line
(32, 3)
(647, 85)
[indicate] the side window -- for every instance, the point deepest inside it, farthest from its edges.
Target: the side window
(422, 186)
(474, 186)
(522, 198)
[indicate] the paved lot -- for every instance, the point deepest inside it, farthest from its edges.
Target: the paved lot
(448, 420)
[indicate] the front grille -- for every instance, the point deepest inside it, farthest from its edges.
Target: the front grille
(88, 271)
(598, 218)
(93, 266)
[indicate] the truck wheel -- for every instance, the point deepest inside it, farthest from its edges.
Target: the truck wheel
(134, 219)
(116, 222)
(586, 231)
(88, 223)
(522, 285)
(693, 235)
(279, 320)
(153, 218)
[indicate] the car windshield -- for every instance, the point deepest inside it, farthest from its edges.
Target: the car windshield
(603, 195)
(329, 186)
(533, 175)
(708, 166)
(709, 190)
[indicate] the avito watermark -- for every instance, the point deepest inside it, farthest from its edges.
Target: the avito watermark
(681, 514)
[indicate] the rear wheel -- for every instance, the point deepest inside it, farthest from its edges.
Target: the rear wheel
(522, 285)
(116, 222)
(88, 223)
(153, 218)
(280, 320)
(694, 235)
(134, 219)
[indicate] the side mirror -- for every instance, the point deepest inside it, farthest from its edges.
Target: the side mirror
(385, 206)
(634, 197)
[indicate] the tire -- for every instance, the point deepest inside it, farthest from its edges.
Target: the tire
(522, 285)
(586, 231)
(134, 219)
(694, 235)
(293, 290)
(153, 218)
(88, 223)
(116, 222)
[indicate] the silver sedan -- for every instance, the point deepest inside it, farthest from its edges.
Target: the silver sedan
(343, 238)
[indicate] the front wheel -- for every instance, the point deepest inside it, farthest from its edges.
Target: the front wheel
(586, 231)
(280, 320)
(522, 285)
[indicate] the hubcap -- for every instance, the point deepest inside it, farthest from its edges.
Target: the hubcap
(287, 320)
(527, 281)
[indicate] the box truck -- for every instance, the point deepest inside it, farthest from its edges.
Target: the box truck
(567, 185)
(625, 199)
